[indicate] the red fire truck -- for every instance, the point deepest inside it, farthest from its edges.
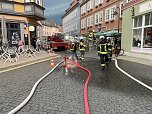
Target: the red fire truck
(57, 42)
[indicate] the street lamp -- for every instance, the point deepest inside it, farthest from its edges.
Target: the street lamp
(115, 13)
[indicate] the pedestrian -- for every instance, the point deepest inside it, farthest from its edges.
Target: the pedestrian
(73, 49)
(82, 49)
(20, 45)
(102, 52)
(38, 44)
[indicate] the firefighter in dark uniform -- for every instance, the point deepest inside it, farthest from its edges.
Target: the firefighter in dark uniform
(109, 49)
(82, 49)
(103, 52)
(73, 49)
(90, 37)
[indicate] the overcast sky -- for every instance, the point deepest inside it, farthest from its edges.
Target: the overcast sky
(56, 8)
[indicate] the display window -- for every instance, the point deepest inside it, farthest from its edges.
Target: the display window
(142, 33)
(147, 41)
(137, 37)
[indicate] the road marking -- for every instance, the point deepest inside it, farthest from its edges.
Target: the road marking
(32, 91)
(116, 64)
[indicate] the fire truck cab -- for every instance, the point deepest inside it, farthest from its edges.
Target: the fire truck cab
(57, 42)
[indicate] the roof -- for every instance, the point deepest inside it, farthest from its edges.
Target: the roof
(74, 3)
(50, 23)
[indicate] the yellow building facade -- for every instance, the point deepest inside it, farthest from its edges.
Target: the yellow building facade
(21, 18)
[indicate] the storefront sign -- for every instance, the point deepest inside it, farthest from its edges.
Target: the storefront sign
(145, 7)
(31, 28)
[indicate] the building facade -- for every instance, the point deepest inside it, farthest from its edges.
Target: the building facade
(71, 19)
(47, 28)
(60, 29)
(98, 15)
(21, 18)
(137, 33)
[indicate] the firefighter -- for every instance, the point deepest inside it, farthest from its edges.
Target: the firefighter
(103, 52)
(73, 49)
(82, 49)
(109, 49)
(90, 39)
(90, 36)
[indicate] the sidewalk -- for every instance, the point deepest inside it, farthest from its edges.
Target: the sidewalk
(137, 57)
(25, 61)
(145, 59)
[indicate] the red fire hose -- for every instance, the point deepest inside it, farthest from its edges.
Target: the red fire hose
(86, 104)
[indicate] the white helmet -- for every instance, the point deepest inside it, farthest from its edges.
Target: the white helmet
(101, 37)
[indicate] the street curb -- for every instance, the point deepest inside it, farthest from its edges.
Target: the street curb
(20, 65)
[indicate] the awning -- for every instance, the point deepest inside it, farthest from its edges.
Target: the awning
(100, 34)
(113, 33)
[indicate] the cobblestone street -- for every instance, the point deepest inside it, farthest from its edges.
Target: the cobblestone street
(109, 91)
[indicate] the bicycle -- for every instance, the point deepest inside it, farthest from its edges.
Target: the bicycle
(118, 51)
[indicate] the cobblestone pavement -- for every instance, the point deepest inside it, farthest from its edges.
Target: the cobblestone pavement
(111, 92)
(15, 85)
(139, 71)
(58, 94)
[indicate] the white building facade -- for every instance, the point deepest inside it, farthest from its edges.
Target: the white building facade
(71, 20)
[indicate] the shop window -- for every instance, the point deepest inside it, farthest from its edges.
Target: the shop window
(147, 41)
(138, 21)
(147, 19)
(137, 37)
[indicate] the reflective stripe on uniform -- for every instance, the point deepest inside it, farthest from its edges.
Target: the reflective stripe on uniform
(82, 49)
(103, 65)
(103, 52)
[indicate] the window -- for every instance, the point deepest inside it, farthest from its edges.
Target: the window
(147, 41)
(83, 9)
(88, 5)
(90, 21)
(98, 18)
(91, 4)
(107, 17)
(98, 2)
(84, 23)
(137, 37)
(138, 21)
(148, 19)
(109, 13)
(112, 13)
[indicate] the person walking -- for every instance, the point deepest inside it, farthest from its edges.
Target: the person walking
(73, 49)
(38, 44)
(109, 49)
(82, 49)
(20, 45)
(102, 52)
